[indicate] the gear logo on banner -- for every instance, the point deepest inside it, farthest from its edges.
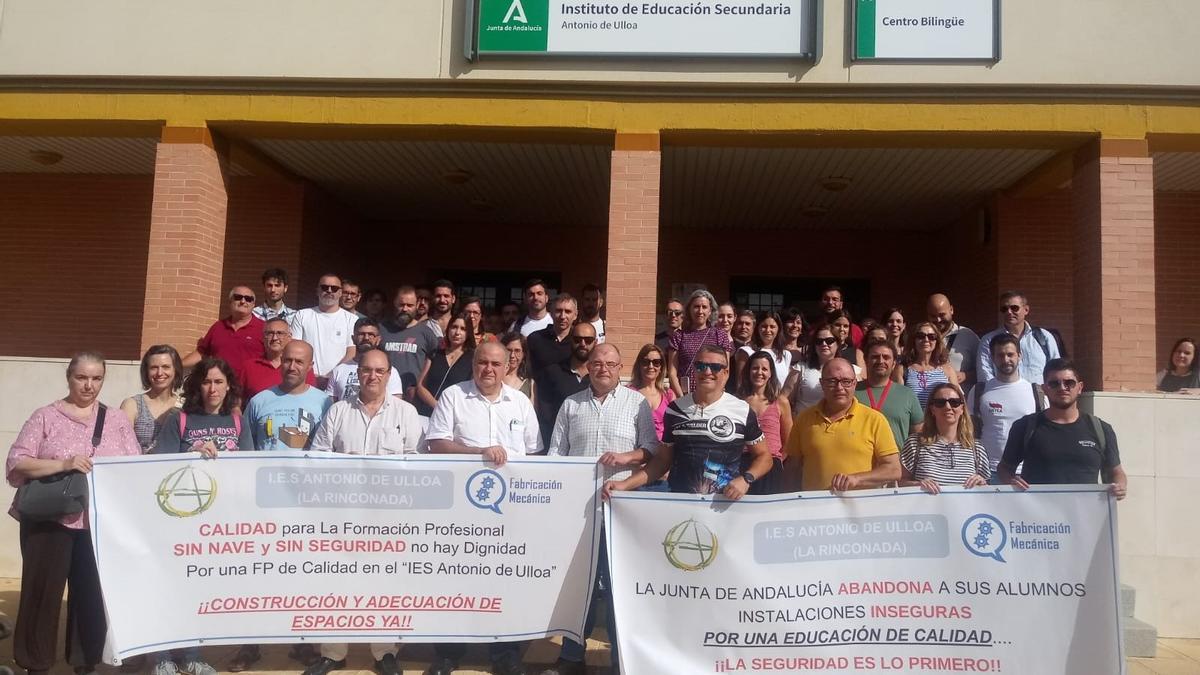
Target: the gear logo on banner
(984, 535)
(486, 489)
(690, 546)
(186, 492)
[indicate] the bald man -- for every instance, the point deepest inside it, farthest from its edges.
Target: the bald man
(962, 342)
(286, 416)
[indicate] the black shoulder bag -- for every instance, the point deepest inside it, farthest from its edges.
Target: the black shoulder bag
(62, 494)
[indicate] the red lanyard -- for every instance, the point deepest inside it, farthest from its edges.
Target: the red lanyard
(882, 395)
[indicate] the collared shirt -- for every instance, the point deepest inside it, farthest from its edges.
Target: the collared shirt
(589, 427)
(235, 346)
(466, 416)
(259, 374)
(1033, 359)
(850, 444)
(963, 344)
(394, 429)
(264, 312)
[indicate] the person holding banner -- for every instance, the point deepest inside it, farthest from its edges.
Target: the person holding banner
(484, 416)
(62, 438)
(944, 451)
(707, 433)
(286, 417)
(372, 423)
(207, 423)
(841, 443)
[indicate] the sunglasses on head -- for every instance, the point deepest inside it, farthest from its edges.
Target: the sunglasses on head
(330, 289)
(706, 367)
(243, 298)
(955, 403)
(1062, 384)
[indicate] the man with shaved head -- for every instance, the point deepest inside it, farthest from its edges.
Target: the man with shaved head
(840, 443)
(962, 342)
(286, 416)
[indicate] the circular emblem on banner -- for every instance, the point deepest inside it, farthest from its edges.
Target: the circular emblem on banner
(690, 546)
(721, 427)
(186, 492)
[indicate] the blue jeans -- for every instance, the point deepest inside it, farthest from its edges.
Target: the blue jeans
(573, 651)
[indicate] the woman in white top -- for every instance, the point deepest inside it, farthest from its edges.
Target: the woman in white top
(803, 385)
(768, 337)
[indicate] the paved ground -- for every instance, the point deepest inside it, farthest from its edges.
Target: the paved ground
(1175, 657)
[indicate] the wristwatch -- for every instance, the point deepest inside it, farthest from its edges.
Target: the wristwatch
(748, 477)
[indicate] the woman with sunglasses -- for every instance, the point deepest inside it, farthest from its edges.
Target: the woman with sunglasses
(447, 366)
(944, 451)
(802, 388)
(685, 343)
(647, 380)
(895, 325)
(517, 375)
(926, 362)
(759, 387)
(1181, 375)
(768, 338)
(839, 322)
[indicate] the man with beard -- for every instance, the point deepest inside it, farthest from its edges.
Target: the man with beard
(895, 401)
(673, 318)
(275, 286)
(996, 404)
(343, 381)
(327, 327)
(590, 303)
(442, 307)
(833, 302)
(1061, 445)
(560, 380)
(407, 342)
(962, 342)
(536, 317)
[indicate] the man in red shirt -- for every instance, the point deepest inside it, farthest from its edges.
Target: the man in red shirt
(235, 339)
(262, 372)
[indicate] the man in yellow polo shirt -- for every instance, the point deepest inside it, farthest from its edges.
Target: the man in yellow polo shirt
(840, 443)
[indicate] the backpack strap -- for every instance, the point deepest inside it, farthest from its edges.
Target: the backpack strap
(182, 423)
(1098, 430)
(1038, 404)
(1029, 429)
(237, 426)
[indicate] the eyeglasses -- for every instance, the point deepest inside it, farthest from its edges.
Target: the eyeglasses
(1010, 308)
(603, 365)
(584, 339)
(274, 333)
(708, 367)
(1062, 384)
(674, 312)
(352, 294)
(241, 298)
(826, 341)
(330, 289)
(657, 363)
(835, 382)
(931, 337)
(955, 403)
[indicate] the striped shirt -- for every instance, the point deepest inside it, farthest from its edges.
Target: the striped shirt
(587, 427)
(946, 463)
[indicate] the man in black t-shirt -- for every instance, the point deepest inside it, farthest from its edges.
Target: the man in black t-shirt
(1061, 445)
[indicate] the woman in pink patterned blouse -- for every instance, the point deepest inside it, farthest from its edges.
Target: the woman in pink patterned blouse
(58, 438)
(684, 343)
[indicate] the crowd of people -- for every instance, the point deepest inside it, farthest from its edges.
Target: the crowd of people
(722, 401)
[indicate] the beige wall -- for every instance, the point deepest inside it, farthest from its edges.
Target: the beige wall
(1066, 42)
(1160, 552)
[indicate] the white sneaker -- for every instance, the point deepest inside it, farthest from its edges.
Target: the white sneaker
(197, 667)
(164, 667)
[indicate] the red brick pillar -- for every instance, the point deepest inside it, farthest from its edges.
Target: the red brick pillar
(187, 240)
(633, 243)
(1113, 204)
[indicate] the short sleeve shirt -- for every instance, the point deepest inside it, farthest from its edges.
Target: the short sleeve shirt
(234, 346)
(850, 444)
(408, 350)
(901, 407)
(466, 416)
(687, 343)
(1060, 453)
(343, 383)
(708, 442)
(329, 333)
(278, 420)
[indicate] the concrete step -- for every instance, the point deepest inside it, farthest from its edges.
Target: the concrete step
(1128, 599)
(1140, 638)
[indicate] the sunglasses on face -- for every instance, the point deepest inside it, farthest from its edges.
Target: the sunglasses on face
(657, 363)
(674, 312)
(330, 289)
(931, 337)
(826, 341)
(1062, 384)
(1010, 308)
(706, 367)
(955, 403)
(241, 298)
(583, 339)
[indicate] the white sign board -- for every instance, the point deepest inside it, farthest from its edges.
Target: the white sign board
(926, 30)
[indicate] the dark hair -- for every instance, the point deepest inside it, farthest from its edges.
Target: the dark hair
(676, 301)
(745, 388)
(469, 299)
(350, 282)
(940, 355)
(515, 336)
(1009, 294)
(469, 345)
(792, 313)
(277, 273)
(713, 349)
(531, 283)
(1058, 365)
(365, 321)
(635, 380)
(368, 294)
(330, 274)
(590, 287)
(1171, 354)
(1004, 339)
(564, 297)
(813, 359)
(780, 339)
(830, 289)
(176, 363)
(193, 401)
(443, 283)
(879, 343)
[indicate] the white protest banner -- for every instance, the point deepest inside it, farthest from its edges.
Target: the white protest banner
(981, 581)
(266, 547)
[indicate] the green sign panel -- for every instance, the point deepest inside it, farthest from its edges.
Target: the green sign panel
(514, 25)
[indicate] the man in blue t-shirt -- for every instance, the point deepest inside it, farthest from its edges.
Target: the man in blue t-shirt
(286, 417)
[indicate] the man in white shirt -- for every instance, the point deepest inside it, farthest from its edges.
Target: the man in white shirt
(327, 327)
(343, 381)
(1038, 345)
(1006, 398)
(373, 422)
(484, 417)
(537, 317)
(962, 342)
(615, 424)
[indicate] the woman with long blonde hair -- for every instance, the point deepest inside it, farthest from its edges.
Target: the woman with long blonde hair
(945, 451)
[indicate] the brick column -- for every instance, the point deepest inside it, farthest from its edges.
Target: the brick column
(633, 243)
(1113, 204)
(187, 240)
